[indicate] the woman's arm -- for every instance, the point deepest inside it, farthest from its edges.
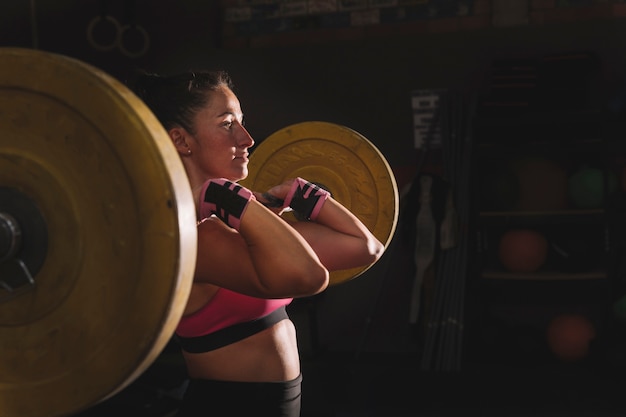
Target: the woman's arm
(265, 257)
(339, 239)
(337, 236)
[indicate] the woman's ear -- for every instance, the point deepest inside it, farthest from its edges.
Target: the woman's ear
(177, 134)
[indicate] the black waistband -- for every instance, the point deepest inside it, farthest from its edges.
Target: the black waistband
(232, 334)
(234, 398)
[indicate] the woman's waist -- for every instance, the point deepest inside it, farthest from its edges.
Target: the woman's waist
(268, 356)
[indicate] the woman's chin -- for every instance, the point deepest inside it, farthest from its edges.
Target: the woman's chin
(236, 178)
(243, 175)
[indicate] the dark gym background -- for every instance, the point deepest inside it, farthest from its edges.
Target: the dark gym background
(360, 356)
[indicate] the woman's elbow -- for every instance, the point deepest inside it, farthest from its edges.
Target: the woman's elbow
(372, 250)
(376, 249)
(307, 276)
(311, 281)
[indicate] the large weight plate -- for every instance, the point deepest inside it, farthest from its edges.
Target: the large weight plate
(120, 222)
(342, 161)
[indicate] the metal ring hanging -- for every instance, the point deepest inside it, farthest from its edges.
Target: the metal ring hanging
(99, 21)
(119, 36)
(144, 35)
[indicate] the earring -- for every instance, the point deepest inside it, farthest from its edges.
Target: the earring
(188, 151)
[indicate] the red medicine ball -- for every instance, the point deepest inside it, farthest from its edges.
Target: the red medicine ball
(569, 336)
(523, 250)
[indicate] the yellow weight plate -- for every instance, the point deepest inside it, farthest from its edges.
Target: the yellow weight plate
(120, 222)
(340, 160)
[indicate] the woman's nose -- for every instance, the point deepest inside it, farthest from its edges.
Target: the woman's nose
(244, 138)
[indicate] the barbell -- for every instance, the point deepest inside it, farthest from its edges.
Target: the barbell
(98, 226)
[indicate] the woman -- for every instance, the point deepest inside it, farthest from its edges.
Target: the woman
(238, 343)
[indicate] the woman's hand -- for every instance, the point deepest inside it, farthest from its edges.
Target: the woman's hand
(305, 198)
(274, 198)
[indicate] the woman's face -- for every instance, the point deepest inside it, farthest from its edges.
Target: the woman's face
(221, 142)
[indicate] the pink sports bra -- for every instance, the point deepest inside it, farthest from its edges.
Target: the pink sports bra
(227, 318)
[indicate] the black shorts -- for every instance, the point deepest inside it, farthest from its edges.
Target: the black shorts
(234, 399)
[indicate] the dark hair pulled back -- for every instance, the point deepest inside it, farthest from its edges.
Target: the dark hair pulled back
(175, 99)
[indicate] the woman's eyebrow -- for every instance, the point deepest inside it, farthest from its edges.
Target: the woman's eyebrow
(238, 116)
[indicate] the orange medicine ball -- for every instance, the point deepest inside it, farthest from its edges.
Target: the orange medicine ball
(523, 250)
(569, 336)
